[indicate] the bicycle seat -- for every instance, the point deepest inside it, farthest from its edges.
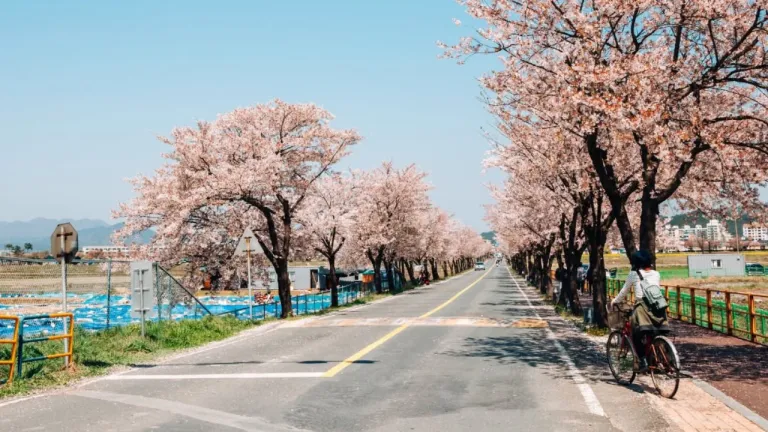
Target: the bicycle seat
(661, 331)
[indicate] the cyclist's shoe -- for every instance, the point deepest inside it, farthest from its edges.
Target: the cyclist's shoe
(643, 367)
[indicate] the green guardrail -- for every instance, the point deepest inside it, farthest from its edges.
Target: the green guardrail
(741, 321)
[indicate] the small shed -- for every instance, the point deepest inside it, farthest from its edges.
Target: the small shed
(705, 265)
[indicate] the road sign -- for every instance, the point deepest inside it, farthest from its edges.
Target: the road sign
(142, 291)
(64, 242)
(246, 246)
(248, 243)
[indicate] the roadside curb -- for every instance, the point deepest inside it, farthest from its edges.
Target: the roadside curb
(731, 403)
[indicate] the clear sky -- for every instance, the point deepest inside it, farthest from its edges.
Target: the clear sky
(86, 86)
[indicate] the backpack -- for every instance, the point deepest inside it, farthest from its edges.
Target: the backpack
(653, 297)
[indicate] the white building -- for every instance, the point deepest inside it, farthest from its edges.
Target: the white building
(756, 232)
(106, 250)
(687, 232)
(714, 231)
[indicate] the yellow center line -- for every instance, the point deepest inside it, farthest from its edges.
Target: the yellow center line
(358, 355)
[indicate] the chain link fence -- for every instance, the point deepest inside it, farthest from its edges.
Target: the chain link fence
(99, 295)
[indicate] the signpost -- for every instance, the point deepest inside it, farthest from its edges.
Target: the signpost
(142, 291)
(247, 245)
(64, 247)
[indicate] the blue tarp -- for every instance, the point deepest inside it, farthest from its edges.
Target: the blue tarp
(92, 313)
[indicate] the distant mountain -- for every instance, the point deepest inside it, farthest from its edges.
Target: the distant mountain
(102, 236)
(38, 231)
(490, 236)
(19, 232)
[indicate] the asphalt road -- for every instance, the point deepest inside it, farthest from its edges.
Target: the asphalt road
(478, 352)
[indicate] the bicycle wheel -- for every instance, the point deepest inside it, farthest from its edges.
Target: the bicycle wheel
(664, 367)
(621, 358)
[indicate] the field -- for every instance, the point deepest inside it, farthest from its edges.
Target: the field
(676, 259)
(674, 271)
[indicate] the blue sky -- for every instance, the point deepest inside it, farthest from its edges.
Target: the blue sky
(87, 86)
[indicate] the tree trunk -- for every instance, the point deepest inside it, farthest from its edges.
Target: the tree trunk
(425, 268)
(569, 292)
(545, 283)
(572, 252)
(376, 264)
(390, 275)
(284, 288)
(648, 215)
(435, 274)
(597, 285)
(332, 282)
(445, 268)
(409, 269)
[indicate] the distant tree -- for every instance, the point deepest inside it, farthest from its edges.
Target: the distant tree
(250, 168)
(327, 216)
(18, 251)
(701, 243)
(28, 247)
(9, 247)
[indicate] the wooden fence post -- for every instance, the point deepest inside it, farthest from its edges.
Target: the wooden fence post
(693, 305)
(709, 309)
(752, 320)
(729, 314)
(679, 300)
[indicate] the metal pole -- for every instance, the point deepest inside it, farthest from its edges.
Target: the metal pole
(141, 300)
(63, 272)
(109, 288)
(738, 238)
(63, 291)
(159, 293)
(250, 289)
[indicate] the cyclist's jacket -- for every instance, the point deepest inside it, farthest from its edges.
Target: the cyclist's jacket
(651, 276)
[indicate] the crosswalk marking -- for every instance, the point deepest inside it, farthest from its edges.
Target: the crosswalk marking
(428, 322)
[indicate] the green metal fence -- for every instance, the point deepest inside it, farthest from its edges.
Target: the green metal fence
(731, 313)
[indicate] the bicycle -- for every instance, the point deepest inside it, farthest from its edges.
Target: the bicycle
(661, 355)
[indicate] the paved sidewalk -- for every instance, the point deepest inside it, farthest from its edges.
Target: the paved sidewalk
(736, 367)
(694, 410)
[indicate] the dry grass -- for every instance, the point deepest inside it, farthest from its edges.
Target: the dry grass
(744, 284)
(677, 259)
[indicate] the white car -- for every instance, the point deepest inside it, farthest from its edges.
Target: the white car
(479, 266)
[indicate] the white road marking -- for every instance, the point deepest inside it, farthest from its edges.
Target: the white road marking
(586, 391)
(204, 414)
(217, 376)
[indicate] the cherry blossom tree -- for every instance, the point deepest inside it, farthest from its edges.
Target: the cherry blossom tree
(667, 97)
(393, 199)
(250, 168)
(326, 217)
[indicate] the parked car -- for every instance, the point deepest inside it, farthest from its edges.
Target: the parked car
(755, 269)
(479, 266)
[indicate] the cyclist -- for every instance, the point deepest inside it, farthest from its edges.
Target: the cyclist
(642, 319)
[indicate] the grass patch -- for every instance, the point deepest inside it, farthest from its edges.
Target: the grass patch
(578, 321)
(95, 353)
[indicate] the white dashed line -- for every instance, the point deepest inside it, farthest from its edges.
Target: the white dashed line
(217, 376)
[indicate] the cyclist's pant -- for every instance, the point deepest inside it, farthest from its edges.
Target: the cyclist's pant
(637, 340)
